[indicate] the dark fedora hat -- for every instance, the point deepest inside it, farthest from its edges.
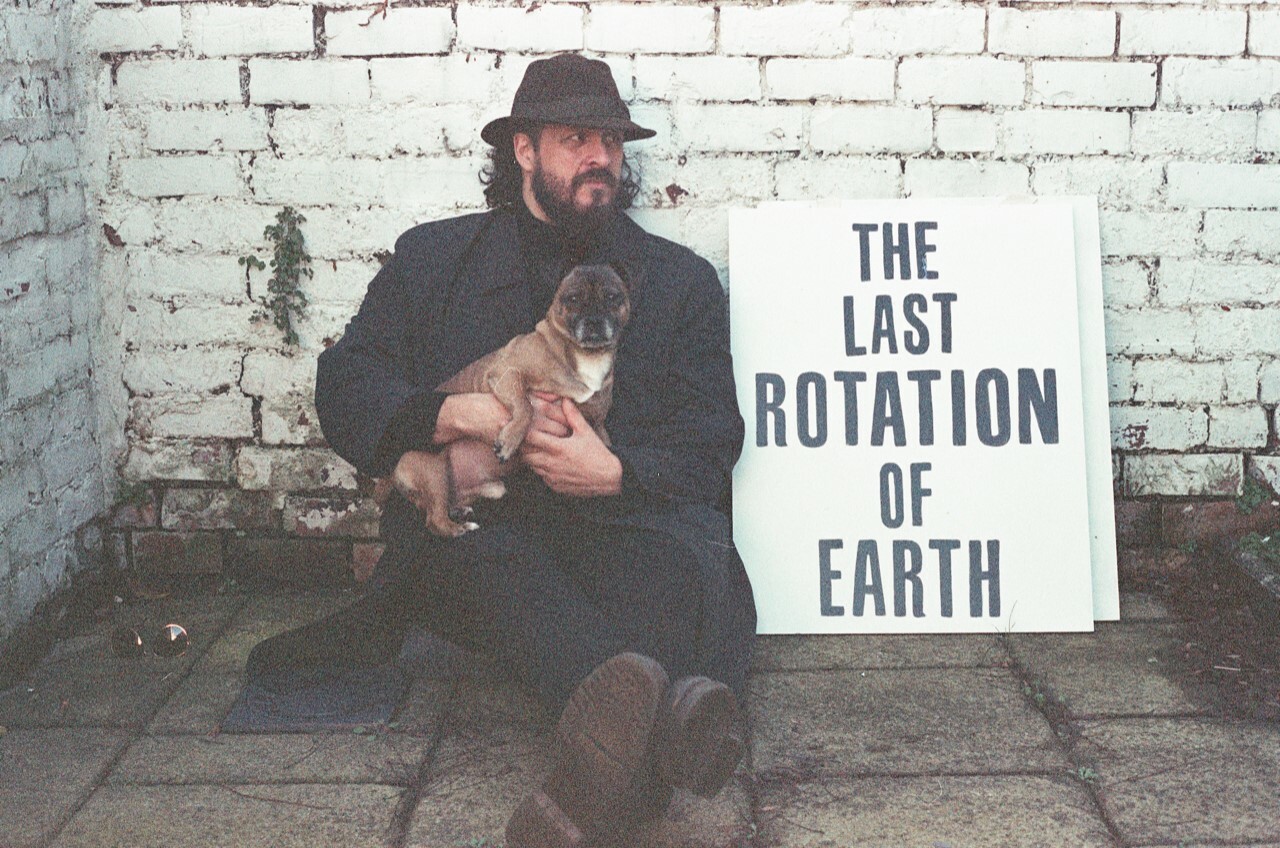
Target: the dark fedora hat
(567, 89)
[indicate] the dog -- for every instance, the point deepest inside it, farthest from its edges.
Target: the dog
(570, 353)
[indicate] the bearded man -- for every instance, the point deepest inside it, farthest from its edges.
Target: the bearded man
(606, 579)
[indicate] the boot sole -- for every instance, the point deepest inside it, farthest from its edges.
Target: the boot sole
(702, 738)
(605, 736)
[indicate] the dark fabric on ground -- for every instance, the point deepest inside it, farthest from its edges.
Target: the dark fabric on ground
(317, 697)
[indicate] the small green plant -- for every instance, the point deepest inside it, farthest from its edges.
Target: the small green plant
(1253, 494)
(1264, 547)
(285, 303)
(1086, 774)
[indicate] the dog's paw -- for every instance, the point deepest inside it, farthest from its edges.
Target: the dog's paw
(502, 451)
(460, 513)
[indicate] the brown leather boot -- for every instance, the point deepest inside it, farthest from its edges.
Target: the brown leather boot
(699, 739)
(606, 737)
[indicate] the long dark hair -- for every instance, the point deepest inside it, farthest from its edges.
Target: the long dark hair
(503, 180)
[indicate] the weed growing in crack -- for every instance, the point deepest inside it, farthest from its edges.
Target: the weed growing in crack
(285, 303)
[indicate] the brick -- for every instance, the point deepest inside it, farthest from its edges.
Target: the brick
(1204, 521)
(1198, 475)
(1264, 33)
(215, 509)
(228, 226)
(835, 79)
(182, 460)
(212, 130)
(310, 563)
(977, 81)
(141, 513)
(248, 30)
(399, 31)
(340, 282)
(178, 81)
(1229, 231)
(1149, 331)
(1268, 138)
(158, 553)
(129, 30)
(740, 128)
(965, 131)
(1242, 381)
(870, 129)
(1267, 469)
(376, 131)
(274, 374)
(1241, 331)
(960, 178)
(1119, 379)
(1158, 427)
(1192, 32)
(22, 216)
(1126, 283)
(1064, 32)
(43, 370)
(1093, 83)
(223, 416)
(1220, 82)
(617, 28)
(1176, 380)
(175, 176)
(913, 31)
(458, 78)
(840, 177)
(1075, 131)
(1201, 132)
(543, 29)
(1238, 427)
(196, 371)
(1116, 182)
(291, 420)
(1228, 185)
(708, 180)
(1205, 282)
(805, 29)
(259, 468)
(697, 78)
(161, 275)
(442, 182)
(331, 517)
(1269, 382)
(335, 82)
(1140, 232)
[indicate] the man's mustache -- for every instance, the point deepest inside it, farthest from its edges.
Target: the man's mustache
(597, 174)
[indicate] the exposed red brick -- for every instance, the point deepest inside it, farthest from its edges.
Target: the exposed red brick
(1137, 565)
(305, 516)
(216, 509)
(1137, 523)
(156, 552)
(364, 558)
(305, 562)
(139, 514)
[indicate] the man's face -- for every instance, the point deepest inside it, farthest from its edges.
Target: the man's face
(571, 173)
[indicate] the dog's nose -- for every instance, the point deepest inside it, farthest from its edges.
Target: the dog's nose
(595, 329)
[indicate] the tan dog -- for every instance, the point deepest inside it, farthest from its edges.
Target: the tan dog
(569, 354)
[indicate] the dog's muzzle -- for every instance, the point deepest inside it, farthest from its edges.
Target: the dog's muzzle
(594, 332)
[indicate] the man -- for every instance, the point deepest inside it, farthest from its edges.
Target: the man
(607, 571)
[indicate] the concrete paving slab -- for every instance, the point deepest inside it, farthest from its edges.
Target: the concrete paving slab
(200, 702)
(424, 710)
(1140, 606)
(475, 784)
(293, 816)
(46, 774)
(1187, 780)
(1119, 670)
(919, 721)
(55, 697)
(496, 711)
(812, 653)
(924, 812)
(387, 757)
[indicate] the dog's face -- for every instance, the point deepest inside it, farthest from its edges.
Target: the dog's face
(591, 306)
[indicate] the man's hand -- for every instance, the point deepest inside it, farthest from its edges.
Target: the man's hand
(479, 415)
(575, 462)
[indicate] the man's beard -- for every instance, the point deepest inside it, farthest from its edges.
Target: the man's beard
(557, 201)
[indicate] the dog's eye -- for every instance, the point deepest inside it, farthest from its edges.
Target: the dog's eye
(572, 300)
(614, 299)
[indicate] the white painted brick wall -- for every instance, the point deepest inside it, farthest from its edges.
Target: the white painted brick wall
(1264, 32)
(697, 78)
(337, 82)
(1202, 132)
(836, 79)
(803, 29)
(1220, 82)
(401, 31)
(1158, 428)
(1231, 185)
(1058, 32)
(912, 31)
(247, 30)
(1074, 131)
(213, 129)
(966, 131)
(1140, 232)
(1249, 233)
(178, 81)
(544, 29)
(627, 28)
(1193, 32)
(126, 30)
(1197, 281)
(871, 129)
(979, 80)
(172, 176)
(1093, 83)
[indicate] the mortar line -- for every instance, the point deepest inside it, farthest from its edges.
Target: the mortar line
(402, 818)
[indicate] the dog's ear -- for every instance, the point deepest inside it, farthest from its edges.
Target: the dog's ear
(629, 274)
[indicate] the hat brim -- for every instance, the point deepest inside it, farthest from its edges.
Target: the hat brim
(498, 131)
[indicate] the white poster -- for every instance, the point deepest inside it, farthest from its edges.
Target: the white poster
(910, 374)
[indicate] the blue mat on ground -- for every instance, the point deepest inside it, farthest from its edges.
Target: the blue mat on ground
(317, 699)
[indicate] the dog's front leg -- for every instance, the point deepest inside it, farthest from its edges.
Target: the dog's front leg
(510, 390)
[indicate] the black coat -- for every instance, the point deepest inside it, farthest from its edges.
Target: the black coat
(456, 289)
